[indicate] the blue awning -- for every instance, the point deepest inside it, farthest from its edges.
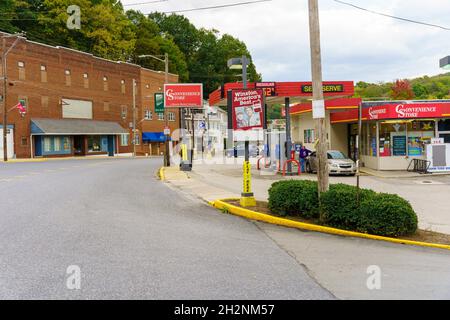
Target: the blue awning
(153, 137)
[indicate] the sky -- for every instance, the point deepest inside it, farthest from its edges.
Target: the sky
(356, 45)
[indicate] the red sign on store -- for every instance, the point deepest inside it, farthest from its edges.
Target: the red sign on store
(247, 109)
(183, 95)
(396, 111)
(406, 111)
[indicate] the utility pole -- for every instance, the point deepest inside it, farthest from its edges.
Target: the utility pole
(166, 118)
(166, 81)
(134, 118)
(5, 118)
(5, 83)
(318, 97)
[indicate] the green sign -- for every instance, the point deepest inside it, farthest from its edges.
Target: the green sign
(159, 102)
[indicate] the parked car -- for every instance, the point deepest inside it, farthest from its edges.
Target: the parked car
(240, 149)
(338, 163)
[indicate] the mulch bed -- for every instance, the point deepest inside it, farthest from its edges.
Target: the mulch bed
(420, 235)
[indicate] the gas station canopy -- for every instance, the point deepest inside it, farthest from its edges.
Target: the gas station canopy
(275, 92)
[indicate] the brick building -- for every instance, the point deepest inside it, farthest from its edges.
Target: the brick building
(78, 104)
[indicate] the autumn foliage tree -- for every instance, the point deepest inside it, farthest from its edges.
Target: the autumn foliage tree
(402, 90)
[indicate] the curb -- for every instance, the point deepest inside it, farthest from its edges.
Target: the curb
(253, 215)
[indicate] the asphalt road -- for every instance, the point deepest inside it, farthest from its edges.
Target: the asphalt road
(132, 237)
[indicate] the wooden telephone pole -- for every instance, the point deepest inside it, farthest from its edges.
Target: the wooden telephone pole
(318, 99)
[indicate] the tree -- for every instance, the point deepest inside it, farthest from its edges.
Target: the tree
(420, 91)
(105, 29)
(402, 90)
(150, 41)
(183, 32)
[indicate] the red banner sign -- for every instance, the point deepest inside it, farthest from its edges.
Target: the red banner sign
(185, 95)
(406, 111)
(396, 111)
(247, 109)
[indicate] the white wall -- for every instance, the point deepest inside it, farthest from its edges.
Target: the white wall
(76, 109)
(9, 143)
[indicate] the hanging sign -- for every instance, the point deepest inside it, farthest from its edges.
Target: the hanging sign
(247, 109)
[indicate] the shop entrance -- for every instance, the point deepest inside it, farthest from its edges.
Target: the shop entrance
(79, 145)
(352, 140)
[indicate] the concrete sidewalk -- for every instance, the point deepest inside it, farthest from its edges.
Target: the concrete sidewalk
(428, 195)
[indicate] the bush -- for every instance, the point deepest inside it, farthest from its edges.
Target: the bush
(387, 215)
(295, 198)
(339, 206)
(378, 213)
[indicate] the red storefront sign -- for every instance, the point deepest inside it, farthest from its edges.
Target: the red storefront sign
(396, 111)
(247, 109)
(185, 95)
(406, 111)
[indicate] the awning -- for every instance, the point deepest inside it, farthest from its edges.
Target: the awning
(75, 127)
(153, 137)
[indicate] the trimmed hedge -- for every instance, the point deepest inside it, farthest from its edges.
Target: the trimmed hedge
(388, 215)
(378, 213)
(294, 198)
(339, 206)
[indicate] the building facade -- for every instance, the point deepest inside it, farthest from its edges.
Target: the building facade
(393, 133)
(77, 104)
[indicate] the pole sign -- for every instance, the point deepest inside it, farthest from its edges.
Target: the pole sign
(318, 109)
(247, 109)
(247, 187)
(269, 88)
(159, 102)
(167, 131)
(183, 95)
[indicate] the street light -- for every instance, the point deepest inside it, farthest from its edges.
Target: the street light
(166, 80)
(444, 63)
(5, 81)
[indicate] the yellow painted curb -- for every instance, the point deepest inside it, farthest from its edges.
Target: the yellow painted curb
(253, 215)
(161, 174)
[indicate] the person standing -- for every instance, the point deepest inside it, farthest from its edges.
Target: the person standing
(304, 153)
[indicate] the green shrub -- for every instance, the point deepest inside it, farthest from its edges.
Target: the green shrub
(339, 206)
(378, 213)
(387, 215)
(295, 198)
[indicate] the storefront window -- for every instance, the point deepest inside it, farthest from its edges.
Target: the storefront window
(309, 136)
(369, 139)
(419, 134)
(405, 138)
(94, 144)
(392, 139)
(66, 144)
(57, 144)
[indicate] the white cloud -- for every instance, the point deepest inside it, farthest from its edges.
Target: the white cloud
(355, 45)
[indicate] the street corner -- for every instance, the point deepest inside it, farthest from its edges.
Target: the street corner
(168, 174)
(233, 206)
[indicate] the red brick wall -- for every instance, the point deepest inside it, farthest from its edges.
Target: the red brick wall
(57, 60)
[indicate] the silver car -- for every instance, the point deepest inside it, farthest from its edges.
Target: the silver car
(338, 163)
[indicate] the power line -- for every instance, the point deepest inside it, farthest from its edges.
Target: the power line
(141, 3)
(391, 16)
(217, 6)
(174, 11)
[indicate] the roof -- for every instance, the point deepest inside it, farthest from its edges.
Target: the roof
(75, 127)
(296, 91)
